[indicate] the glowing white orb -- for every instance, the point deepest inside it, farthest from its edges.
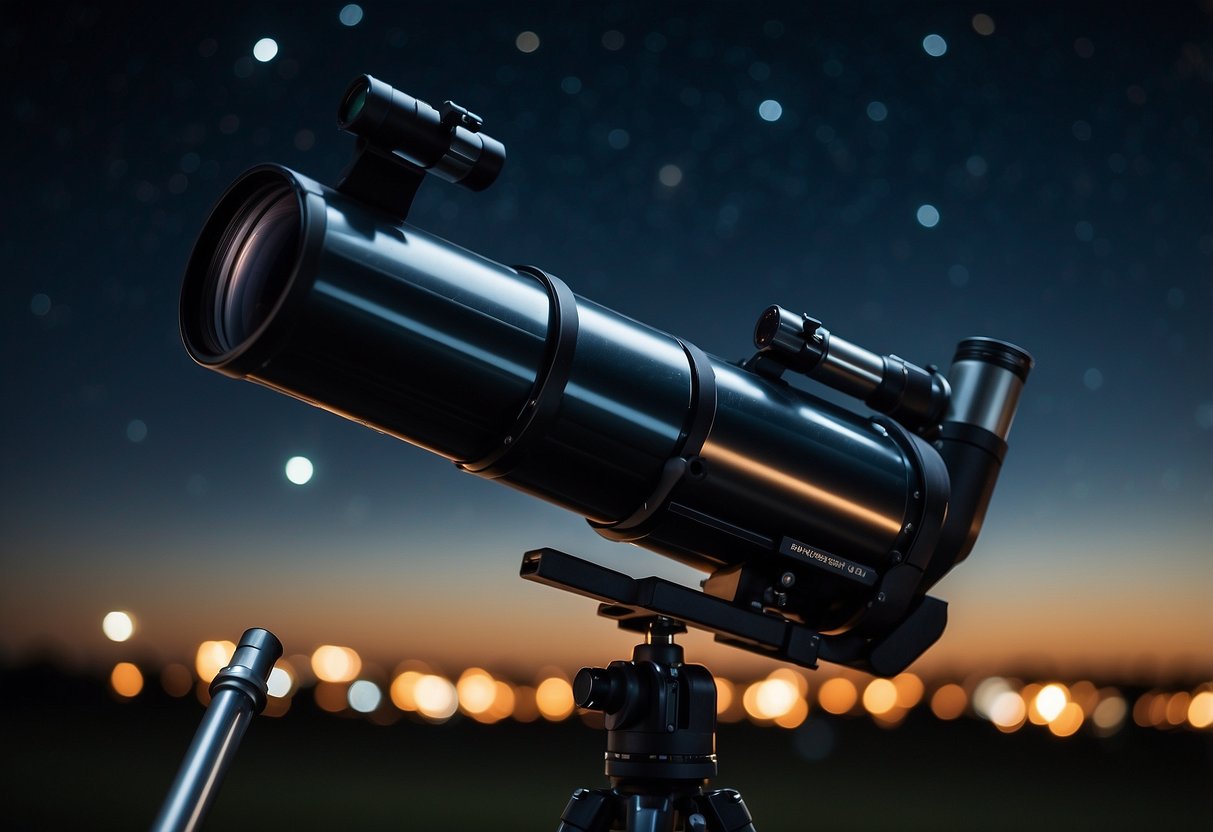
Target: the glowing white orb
(928, 216)
(299, 470)
(364, 696)
(770, 110)
(265, 50)
(118, 625)
(934, 45)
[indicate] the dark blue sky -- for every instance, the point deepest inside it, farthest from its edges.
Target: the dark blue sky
(1068, 155)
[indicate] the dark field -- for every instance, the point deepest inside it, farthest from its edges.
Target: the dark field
(76, 759)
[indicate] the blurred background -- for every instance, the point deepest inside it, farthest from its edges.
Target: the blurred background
(911, 174)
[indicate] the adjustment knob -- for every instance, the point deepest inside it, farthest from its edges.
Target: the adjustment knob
(592, 688)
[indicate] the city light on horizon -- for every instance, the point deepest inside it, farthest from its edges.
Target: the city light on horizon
(784, 698)
(776, 700)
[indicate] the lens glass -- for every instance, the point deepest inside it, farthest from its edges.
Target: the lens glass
(253, 267)
(354, 103)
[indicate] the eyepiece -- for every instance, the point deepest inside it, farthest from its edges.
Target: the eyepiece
(992, 351)
(987, 377)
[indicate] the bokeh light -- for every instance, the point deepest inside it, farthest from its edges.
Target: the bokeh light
(724, 695)
(1008, 711)
(299, 470)
(880, 696)
(436, 697)
(476, 690)
(986, 692)
(332, 663)
(1143, 709)
(364, 696)
(118, 625)
(1029, 693)
(280, 683)
(1177, 708)
(503, 702)
(403, 690)
(837, 695)
(770, 110)
(126, 680)
(1051, 700)
(1200, 710)
(554, 698)
(212, 657)
(136, 430)
(670, 175)
(935, 45)
(927, 215)
(526, 42)
(1068, 721)
(771, 698)
(265, 50)
(909, 690)
(795, 715)
(350, 14)
(1109, 715)
(949, 702)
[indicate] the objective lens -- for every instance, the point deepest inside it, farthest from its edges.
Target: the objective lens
(355, 100)
(253, 265)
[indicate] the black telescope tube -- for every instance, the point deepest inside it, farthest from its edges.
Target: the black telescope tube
(339, 305)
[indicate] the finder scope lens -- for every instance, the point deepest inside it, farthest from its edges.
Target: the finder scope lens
(355, 100)
(251, 268)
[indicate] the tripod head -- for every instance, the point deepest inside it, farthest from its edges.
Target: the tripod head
(660, 711)
(661, 741)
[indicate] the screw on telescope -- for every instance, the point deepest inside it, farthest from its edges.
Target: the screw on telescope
(453, 116)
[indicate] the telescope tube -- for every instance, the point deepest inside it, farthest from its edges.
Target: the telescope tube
(312, 293)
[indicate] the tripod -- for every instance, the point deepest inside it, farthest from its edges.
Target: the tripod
(661, 743)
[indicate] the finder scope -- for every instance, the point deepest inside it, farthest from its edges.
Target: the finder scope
(798, 510)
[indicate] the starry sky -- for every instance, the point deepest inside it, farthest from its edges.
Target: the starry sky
(911, 174)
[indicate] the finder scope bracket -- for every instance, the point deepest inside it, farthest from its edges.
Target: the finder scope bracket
(625, 599)
(401, 139)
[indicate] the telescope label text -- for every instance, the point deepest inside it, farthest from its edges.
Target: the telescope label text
(831, 563)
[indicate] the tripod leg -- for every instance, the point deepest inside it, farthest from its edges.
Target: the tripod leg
(588, 811)
(649, 813)
(722, 810)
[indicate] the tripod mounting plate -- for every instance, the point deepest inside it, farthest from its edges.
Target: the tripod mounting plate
(625, 598)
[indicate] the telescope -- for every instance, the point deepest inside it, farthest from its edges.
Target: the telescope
(819, 529)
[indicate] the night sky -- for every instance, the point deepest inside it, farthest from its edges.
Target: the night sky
(909, 174)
